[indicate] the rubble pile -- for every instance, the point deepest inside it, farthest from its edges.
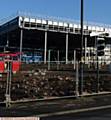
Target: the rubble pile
(35, 83)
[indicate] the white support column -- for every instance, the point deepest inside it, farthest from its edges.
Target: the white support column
(88, 57)
(49, 51)
(66, 48)
(45, 48)
(85, 49)
(21, 43)
(58, 54)
(21, 40)
(95, 51)
(58, 59)
(74, 59)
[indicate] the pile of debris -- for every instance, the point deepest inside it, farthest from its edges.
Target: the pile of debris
(41, 84)
(34, 83)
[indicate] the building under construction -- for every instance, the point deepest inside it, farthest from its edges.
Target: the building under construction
(57, 44)
(62, 38)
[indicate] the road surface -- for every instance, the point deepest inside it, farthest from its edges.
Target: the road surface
(92, 115)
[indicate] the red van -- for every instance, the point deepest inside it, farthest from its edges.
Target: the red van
(13, 58)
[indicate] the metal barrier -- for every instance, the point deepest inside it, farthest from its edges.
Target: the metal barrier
(53, 80)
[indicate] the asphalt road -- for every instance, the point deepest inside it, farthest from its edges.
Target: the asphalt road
(58, 106)
(92, 115)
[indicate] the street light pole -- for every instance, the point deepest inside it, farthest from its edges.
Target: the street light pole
(81, 62)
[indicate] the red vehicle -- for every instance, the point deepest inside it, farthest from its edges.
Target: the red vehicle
(13, 58)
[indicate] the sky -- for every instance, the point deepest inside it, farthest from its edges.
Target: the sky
(98, 11)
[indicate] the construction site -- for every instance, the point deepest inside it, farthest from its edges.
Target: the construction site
(40, 59)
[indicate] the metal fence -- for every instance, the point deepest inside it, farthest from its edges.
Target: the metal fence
(53, 79)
